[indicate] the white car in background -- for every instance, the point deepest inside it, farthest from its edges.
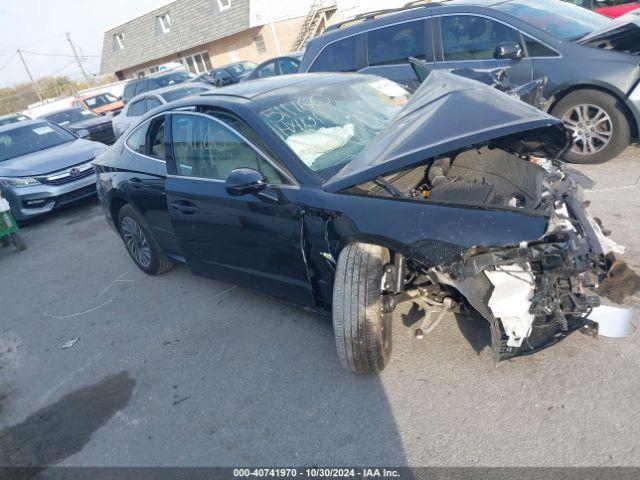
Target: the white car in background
(138, 106)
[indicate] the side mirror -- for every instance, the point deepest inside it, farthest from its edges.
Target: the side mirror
(245, 180)
(508, 50)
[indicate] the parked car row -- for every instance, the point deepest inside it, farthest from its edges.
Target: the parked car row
(139, 105)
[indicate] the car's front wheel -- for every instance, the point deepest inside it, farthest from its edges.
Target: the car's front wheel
(598, 124)
(140, 244)
(361, 323)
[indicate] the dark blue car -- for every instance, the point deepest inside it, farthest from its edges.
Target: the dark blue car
(344, 193)
(590, 62)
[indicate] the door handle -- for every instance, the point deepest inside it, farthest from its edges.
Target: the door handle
(185, 207)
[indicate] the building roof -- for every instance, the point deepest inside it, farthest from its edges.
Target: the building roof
(193, 23)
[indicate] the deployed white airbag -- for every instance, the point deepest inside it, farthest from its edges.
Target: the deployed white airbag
(510, 300)
(310, 145)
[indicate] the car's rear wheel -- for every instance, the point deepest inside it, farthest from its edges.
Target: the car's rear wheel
(361, 324)
(140, 244)
(596, 119)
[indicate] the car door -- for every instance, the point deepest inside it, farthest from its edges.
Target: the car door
(253, 240)
(389, 49)
(145, 185)
(467, 44)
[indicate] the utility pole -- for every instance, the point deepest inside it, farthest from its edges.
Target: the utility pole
(75, 54)
(33, 82)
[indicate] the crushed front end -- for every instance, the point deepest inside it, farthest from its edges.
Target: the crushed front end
(536, 293)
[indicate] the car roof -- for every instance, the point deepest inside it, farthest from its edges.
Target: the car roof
(231, 65)
(255, 88)
(409, 11)
(170, 88)
(156, 75)
(91, 95)
(24, 123)
(62, 110)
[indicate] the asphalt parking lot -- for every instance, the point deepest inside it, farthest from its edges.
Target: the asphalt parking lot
(182, 371)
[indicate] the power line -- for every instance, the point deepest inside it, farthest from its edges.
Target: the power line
(56, 54)
(8, 61)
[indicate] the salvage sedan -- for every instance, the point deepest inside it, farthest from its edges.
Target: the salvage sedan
(344, 194)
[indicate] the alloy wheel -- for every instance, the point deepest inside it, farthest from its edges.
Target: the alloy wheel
(136, 242)
(591, 127)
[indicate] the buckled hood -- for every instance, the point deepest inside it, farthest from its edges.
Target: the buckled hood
(448, 113)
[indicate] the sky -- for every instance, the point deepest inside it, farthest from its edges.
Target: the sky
(40, 26)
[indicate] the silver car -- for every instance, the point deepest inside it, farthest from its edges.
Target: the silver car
(138, 106)
(43, 166)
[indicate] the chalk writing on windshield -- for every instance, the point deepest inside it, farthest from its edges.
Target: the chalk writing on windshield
(297, 115)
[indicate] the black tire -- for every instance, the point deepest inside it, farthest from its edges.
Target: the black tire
(17, 241)
(144, 251)
(361, 329)
(590, 136)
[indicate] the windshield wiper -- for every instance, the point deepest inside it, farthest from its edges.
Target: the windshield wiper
(393, 191)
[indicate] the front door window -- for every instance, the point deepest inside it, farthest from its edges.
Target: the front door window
(205, 148)
(468, 37)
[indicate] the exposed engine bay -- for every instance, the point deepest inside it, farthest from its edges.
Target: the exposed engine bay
(535, 293)
(483, 177)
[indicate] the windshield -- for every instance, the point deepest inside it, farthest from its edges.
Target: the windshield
(328, 126)
(241, 69)
(31, 138)
(182, 92)
(100, 100)
(560, 19)
(70, 116)
(174, 78)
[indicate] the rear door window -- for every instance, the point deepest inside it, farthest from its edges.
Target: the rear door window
(155, 138)
(268, 70)
(396, 43)
(141, 87)
(340, 56)
(153, 102)
(537, 49)
(288, 66)
(136, 141)
(137, 108)
(129, 91)
(468, 37)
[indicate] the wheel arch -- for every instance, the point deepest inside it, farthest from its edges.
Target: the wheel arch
(565, 90)
(117, 201)
(429, 254)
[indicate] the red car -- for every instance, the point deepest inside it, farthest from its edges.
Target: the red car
(610, 8)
